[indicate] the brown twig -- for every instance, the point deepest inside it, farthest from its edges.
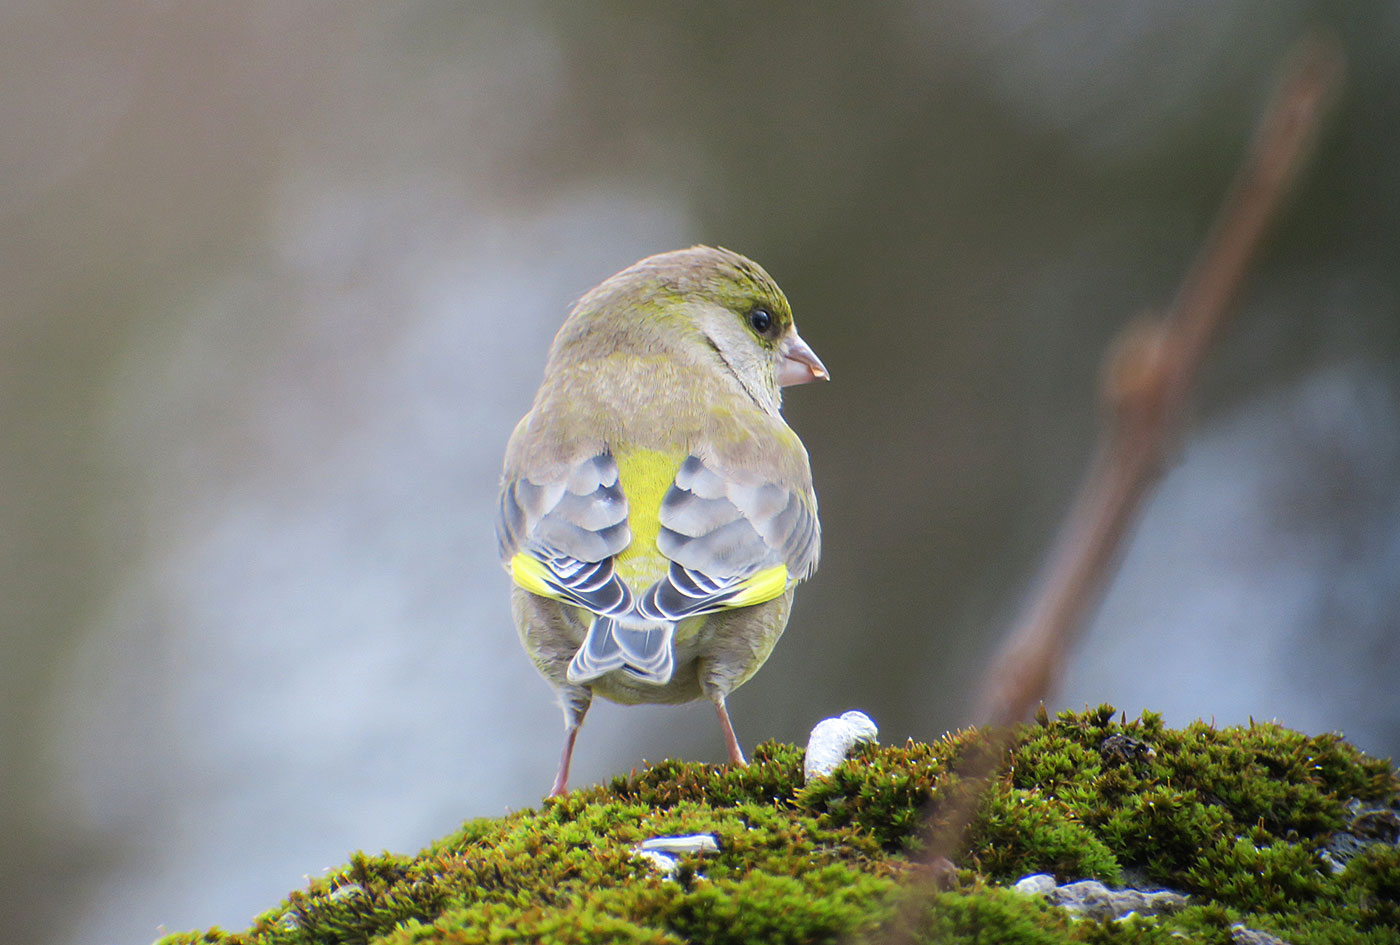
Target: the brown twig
(1145, 387)
(1148, 377)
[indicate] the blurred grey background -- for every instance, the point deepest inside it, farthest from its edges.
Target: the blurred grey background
(278, 278)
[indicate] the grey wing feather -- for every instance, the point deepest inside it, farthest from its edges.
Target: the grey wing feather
(725, 528)
(574, 524)
(718, 532)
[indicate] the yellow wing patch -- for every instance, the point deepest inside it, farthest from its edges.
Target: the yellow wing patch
(762, 587)
(531, 574)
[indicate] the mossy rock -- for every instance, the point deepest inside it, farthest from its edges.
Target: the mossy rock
(1237, 818)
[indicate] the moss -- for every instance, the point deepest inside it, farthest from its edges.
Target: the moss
(991, 915)
(1023, 831)
(1235, 817)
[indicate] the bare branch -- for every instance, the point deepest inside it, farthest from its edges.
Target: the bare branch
(1145, 388)
(1147, 378)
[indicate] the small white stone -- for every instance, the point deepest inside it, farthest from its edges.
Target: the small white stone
(1242, 935)
(701, 843)
(348, 891)
(831, 742)
(664, 853)
(663, 864)
(1090, 898)
(1037, 884)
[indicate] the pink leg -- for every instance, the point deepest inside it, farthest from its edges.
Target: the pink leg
(731, 741)
(561, 778)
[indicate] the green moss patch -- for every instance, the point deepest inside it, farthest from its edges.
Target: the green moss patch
(1237, 818)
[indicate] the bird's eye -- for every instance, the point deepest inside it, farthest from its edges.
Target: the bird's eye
(761, 319)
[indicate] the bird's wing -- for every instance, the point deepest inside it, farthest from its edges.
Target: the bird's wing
(733, 541)
(558, 534)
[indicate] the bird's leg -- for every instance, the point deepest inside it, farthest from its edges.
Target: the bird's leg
(731, 741)
(561, 778)
(575, 704)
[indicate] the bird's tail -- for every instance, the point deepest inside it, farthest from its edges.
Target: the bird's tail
(644, 648)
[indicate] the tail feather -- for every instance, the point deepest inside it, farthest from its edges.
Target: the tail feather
(599, 653)
(647, 648)
(643, 648)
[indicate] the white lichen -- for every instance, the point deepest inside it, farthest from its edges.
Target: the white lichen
(831, 742)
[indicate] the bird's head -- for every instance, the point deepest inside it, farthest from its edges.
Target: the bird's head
(706, 304)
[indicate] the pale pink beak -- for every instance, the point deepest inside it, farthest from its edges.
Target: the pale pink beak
(800, 363)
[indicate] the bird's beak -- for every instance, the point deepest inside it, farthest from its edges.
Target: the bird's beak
(800, 363)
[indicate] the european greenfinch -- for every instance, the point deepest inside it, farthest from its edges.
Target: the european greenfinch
(656, 511)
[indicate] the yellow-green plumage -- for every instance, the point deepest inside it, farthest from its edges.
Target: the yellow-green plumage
(656, 510)
(645, 475)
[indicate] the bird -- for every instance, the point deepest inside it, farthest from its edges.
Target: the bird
(656, 511)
